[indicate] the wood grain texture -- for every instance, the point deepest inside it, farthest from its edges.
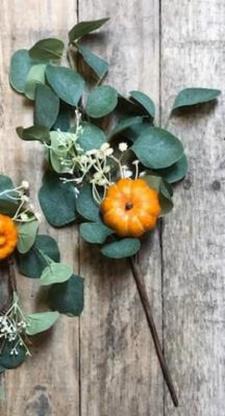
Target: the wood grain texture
(193, 35)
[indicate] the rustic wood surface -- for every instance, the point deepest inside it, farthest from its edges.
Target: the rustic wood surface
(104, 363)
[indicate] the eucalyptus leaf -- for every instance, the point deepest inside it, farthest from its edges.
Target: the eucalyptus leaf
(144, 101)
(8, 206)
(101, 101)
(40, 322)
(57, 200)
(97, 64)
(66, 83)
(32, 263)
(55, 273)
(175, 172)
(126, 247)
(20, 66)
(46, 107)
(158, 149)
(26, 235)
(68, 297)
(50, 48)
(124, 124)
(35, 76)
(86, 205)
(38, 133)
(164, 190)
(91, 137)
(83, 28)
(63, 119)
(95, 233)
(194, 96)
(8, 360)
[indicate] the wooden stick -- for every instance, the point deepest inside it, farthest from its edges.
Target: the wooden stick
(138, 276)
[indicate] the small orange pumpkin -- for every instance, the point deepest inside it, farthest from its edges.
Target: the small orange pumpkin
(8, 236)
(130, 207)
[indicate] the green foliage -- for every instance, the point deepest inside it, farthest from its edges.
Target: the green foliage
(57, 200)
(50, 48)
(125, 124)
(55, 273)
(126, 247)
(144, 101)
(68, 297)
(46, 106)
(91, 137)
(175, 172)
(194, 96)
(101, 101)
(20, 66)
(35, 76)
(158, 149)
(83, 28)
(95, 233)
(8, 206)
(63, 119)
(165, 192)
(86, 205)
(8, 360)
(32, 263)
(26, 235)
(39, 133)
(97, 64)
(66, 83)
(40, 322)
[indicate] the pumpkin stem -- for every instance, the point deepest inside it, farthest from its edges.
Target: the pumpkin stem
(138, 276)
(128, 206)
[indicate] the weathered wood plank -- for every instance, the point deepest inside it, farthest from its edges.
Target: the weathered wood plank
(193, 35)
(119, 369)
(48, 384)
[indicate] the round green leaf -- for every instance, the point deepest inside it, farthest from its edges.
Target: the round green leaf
(63, 119)
(27, 235)
(40, 322)
(126, 247)
(8, 206)
(8, 360)
(50, 48)
(46, 106)
(144, 101)
(38, 133)
(66, 83)
(86, 205)
(175, 172)
(194, 96)
(35, 76)
(57, 200)
(101, 101)
(68, 297)
(95, 233)
(55, 273)
(33, 263)
(125, 124)
(158, 148)
(83, 28)
(20, 66)
(97, 64)
(91, 137)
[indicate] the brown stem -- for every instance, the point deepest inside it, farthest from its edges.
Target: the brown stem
(12, 274)
(138, 276)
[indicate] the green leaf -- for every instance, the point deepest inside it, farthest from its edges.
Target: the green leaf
(68, 297)
(175, 172)
(20, 66)
(55, 273)
(91, 137)
(63, 120)
(95, 233)
(124, 124)
(126, 247)
(50, 48)
(97, 64)
(46, 106)
(40, 322)
(66, 83)
(164, 190)
(8, 360)
(158, 149)
(57, 200)
(144, 101)
(38, 133)
(83, 28)
(27, 234)
(194, 96)
(101, 101)
(33, 262)
(8, 206)
(35, 76)
(86, 205)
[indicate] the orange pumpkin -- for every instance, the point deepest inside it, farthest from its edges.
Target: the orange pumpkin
(8, 236)
(130, 207)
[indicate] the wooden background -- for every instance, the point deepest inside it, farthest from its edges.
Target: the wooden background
(104, 363)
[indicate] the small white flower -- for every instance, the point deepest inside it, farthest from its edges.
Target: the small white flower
(123, 146)
(25, 185)
(135, 162)
(109, 151)
(128, 173)
(143, 173)
(104, 146)
(92, 152)
(24, 198)
(24, 217)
